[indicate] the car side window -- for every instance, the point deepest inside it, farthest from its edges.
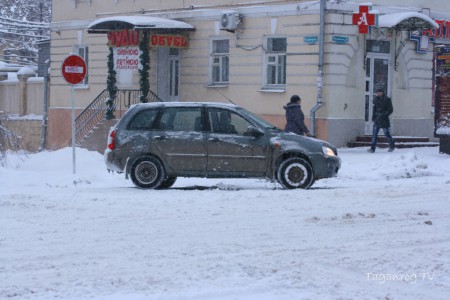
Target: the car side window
(181, 119)
(227, 122)
(143, 120)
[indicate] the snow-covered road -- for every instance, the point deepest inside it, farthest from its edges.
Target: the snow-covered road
(380, 230)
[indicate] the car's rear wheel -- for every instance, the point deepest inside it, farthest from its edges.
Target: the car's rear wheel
(167, 182)
(147, 172)
(295, 173)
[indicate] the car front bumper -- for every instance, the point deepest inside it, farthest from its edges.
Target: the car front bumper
(326, 166)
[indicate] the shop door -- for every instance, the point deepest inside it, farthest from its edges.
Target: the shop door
(168, 74)
(377, 76)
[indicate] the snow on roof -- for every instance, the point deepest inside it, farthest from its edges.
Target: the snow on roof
(136, 22)
(392, 20)
(187, 103)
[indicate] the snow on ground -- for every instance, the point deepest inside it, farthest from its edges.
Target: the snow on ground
(380, 230)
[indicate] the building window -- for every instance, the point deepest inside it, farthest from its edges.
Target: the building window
(174, 72)
(378, 46)
(83, 51)
(275, 61)
(220, 62)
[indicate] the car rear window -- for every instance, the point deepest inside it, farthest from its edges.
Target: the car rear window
(143, 120)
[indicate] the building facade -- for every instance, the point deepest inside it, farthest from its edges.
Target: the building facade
(257, 55)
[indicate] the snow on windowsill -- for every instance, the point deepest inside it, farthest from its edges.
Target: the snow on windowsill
(214, 85)
(266, 90)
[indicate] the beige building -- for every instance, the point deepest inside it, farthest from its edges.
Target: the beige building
(255, 54)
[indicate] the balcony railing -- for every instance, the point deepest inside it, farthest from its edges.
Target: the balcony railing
(95, 113)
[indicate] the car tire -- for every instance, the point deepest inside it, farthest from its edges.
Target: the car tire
(167, 183)
(147, 172)
(295, 173)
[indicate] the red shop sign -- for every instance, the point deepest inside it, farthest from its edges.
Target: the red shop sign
(169, 40)
(364, 19)
(124, 38)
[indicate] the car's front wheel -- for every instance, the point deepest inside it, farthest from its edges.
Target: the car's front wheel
(147, 172)
(167, 183)
(295, 173)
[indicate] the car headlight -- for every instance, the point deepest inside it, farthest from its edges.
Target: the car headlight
(328, 151)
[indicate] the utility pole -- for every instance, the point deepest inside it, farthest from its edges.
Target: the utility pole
(320, 69)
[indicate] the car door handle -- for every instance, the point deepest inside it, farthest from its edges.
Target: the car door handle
(159, 137)
(214, 140)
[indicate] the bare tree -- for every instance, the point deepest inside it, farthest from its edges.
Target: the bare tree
(22, 23)
(9, 140)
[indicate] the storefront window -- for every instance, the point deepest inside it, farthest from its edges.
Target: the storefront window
(367, 69)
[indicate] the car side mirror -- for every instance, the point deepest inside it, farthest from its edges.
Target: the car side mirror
(254, 131)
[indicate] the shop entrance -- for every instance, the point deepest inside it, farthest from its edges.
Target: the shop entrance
(168, 73)
(377, 76)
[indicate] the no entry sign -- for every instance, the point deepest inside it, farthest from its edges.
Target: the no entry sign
(74, 69)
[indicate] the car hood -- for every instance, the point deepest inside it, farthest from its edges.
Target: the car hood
(288, 141)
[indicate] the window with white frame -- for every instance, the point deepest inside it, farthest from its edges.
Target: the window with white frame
(83, 51)
(275, 61)
(220, 61)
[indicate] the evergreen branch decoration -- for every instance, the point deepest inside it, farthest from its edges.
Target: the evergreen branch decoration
(111, 86)
(145, 62)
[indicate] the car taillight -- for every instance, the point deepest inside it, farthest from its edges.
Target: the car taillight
(112, 140)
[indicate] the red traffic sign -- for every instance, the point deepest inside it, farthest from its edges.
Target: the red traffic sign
(74, 69)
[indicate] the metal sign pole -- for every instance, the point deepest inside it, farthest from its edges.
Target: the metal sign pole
(73, 129)
(74, 71)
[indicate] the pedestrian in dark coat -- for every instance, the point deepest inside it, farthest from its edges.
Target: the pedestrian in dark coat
(295, 119)
(382, 109)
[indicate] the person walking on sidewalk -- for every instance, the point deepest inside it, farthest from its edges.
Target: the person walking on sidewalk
(295, 119)
(382, 109)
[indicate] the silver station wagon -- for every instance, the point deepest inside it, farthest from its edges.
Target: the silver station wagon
(154, 143)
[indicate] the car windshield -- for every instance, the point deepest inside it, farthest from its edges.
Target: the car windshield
(258, 119)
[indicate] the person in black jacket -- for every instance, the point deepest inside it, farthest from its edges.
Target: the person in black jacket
(382, 109)
(295, 119)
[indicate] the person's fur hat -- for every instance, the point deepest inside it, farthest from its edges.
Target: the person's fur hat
(295, 98)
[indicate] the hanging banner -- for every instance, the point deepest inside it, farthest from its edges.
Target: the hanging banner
(442, 61)
(442, 109)
(126, 58)
(442, 104)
